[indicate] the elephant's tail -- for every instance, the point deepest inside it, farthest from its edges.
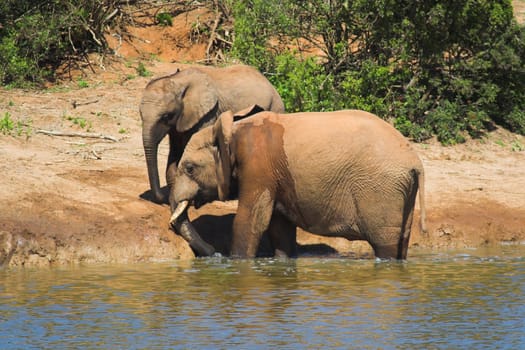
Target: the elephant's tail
(422, 211)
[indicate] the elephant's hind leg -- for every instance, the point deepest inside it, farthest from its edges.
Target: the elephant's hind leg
(391, 240)
(393, 243)
(283, 235)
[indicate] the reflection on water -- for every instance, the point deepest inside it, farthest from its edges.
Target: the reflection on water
(436, 301)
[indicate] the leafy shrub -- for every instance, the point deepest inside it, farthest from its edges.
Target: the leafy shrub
(449, 69)
(253, 23)
(515, 120)
(368, 88)
(37, 36)
(142, 71)
(410, 129)
(164, 19)
(442, 120)
(6, 124)
(303, 84)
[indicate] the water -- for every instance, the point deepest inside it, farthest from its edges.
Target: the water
(453, 300)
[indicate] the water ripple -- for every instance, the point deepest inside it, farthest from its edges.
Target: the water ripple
(468, 299)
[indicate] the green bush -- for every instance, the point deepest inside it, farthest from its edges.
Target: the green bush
(142, 71)
(164, 19)
(303, 84)
(37, 36)
(515, 120)
(442, 121)
(6, 124)
(449, 69)
(24, 52)
(368, 88)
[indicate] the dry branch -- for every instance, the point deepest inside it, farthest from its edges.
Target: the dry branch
(76, 104)
(76, 134)
(213, 34)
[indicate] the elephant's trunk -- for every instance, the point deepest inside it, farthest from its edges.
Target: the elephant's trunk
(182, 225)
(150, 151)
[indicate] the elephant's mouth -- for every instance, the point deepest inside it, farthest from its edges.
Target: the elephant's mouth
(198, 202)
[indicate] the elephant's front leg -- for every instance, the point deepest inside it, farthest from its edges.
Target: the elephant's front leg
(178, 142)
(283, 235)
(253, 217)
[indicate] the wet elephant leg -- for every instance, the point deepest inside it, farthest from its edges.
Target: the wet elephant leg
(387, 251)
(283, 236)
(390, 243)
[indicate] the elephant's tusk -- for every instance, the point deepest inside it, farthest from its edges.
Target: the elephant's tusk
(178, 211)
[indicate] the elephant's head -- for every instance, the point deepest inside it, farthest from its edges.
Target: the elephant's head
(205, 172)
(177, 104)
(194, 180)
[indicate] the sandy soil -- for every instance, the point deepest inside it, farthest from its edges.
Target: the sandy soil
(519, 10)
(77, 200)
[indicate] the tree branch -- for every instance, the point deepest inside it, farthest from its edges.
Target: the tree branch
(76, 134)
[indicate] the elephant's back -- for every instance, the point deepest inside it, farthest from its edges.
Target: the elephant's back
(242, 86)
(347, 146)
(342, 131)
(344, 121)
(340, 136)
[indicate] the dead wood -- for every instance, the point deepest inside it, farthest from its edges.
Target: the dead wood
(76, 134)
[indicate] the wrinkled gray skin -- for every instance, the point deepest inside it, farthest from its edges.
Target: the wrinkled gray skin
(347, 174)
(180, 104)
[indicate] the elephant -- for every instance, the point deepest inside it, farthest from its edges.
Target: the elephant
(342, 174)
(182, 103)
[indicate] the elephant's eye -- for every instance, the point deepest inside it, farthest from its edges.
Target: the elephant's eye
(166, 117)
(189, 168)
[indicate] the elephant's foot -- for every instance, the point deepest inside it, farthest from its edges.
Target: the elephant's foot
(394, 251)
(282, 254)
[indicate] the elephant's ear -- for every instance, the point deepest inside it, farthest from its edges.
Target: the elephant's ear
(253, 109)
(222, 136)
(199, 97)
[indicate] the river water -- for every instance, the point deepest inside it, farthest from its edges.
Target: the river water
(471, 299)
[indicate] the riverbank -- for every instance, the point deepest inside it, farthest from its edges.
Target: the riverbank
(76, 199)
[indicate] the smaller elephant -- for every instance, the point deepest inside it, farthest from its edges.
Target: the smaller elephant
(345, 173)
(182, 103)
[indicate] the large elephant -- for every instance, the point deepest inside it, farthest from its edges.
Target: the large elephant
(346, 173)
(186, 101)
